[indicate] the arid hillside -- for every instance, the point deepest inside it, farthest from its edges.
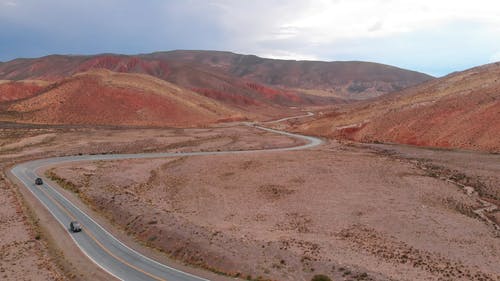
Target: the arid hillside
(233, 77)
(342, 79)
(199, 77)
(236, 91)
(55, 67)
(461, 110)
(15, 90)
(102, 97)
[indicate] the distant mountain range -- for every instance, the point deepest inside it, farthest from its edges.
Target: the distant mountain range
(68, 89)
(360, 101)
(213, 69)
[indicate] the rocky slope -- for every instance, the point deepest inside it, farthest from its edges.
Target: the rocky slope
(224, 74)
(461, 110)
(15, 90)
(343, 79)
(102, 97)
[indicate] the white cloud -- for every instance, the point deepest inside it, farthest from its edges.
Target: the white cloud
(285, 55)
(321, 29)
(9, 3)
(434, 36)
(325, 20)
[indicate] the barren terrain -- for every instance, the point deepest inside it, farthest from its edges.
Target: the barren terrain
(22, 255)
(233, 78)
(460, 110)
(353, 213)
(23, 250)
(28, 251)
(348, 210)
(102, 97)
(11, 91)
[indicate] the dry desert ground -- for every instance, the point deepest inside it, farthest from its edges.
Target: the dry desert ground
(346, 210)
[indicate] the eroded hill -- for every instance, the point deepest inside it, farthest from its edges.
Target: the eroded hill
(461, 110)
(102, 97)
(342, 79)
(226, 75)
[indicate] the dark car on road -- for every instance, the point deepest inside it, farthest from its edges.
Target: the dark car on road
(75, 226)
(38, 181)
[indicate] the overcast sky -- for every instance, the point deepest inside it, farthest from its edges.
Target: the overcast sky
(432, 36)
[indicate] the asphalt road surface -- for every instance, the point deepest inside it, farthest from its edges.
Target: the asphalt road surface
(94, 241)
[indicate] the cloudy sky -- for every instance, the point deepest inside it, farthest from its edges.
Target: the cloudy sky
(431, 36)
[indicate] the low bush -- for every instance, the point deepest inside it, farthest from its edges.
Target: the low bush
(321, 277)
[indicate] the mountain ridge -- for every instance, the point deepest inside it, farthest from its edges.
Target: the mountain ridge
(103, 97)
(347, 80)
(460, 110)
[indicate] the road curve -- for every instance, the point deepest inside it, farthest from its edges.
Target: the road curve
(98, 244)
(289, 118)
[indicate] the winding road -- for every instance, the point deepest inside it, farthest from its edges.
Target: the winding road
(94, 241)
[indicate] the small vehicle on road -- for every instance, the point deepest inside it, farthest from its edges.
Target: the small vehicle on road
(75, 226)
(38, 181)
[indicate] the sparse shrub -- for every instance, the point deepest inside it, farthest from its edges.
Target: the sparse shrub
(357, 87)
(321, 277)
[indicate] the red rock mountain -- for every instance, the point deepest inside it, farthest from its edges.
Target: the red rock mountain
(16, 90)
(102, 97)
(348, 80)
(461, 110)
(229, 76)
(215, 86)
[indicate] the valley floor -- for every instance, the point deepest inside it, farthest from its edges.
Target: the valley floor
(349, 211)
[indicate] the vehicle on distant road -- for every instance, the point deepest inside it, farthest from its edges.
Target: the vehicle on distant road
(38, 181)
(75, 226)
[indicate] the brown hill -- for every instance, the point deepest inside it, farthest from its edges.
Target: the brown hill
(49, 68)
(15, 90)
(226, 75)
(201, 78)
(461, 110)
(102, 97)
(55, 67)
(235, 82)
(238, 92)
(348, 79)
